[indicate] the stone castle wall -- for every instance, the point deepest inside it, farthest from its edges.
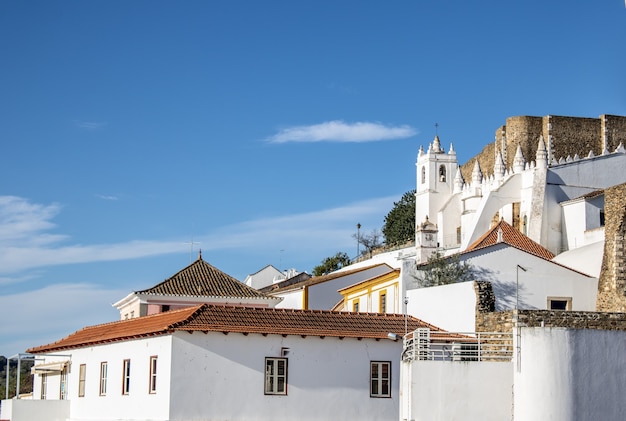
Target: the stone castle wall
(502, 321)
(563, 136)
(612, 282)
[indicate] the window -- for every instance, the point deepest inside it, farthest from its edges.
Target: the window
(132, 314)
(602, 220)
(559, 303)
(423, 175)
(103, 378)
(355, 306)
(153, 374)
(126, 377)
(275, 376)
(382, 302)
(165, 308)
(81, 380)
(63, 385)
(44, 385)
(380, 379)
(442, 174)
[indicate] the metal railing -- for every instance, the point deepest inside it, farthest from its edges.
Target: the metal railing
(427, 345)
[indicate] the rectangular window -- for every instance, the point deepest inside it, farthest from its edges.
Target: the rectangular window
(44, 385)
(559, 303)
(103, 378)
(126, 377)
(153, 374)
(275, 376)
(355, 306)
(382, 302)
(63, 385)
(380, 379)
(82, 371)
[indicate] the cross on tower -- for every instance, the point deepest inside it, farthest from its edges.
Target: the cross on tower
(436, 129)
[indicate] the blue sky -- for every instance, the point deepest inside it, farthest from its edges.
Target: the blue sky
(264, 131)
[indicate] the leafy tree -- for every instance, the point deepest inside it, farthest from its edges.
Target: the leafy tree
(399, 224)
(370, 241)
(441, 270)
(331, 264)
(26, 380)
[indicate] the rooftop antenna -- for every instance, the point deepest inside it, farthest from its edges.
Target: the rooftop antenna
(191, 243)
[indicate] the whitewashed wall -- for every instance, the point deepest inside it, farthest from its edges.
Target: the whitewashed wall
(138, 404)
(291, 299)
(221, 377)
(450, 307)
(571, 374)
(447, 390)
(34, 410)
(542, 279)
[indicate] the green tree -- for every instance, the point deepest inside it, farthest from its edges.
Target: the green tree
(399, 224)
(441, 270)
(26, 379)
(331, 264)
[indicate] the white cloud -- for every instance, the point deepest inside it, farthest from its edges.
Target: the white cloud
(89, 125)
(339, 131)
(107, 197)
(33, 247)
(52, 313)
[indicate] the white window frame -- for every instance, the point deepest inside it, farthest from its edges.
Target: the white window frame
(126, 377)
(63, 385)
(104, 367)
(152, 381)
(380, 382)
(44, 385)
(82, 373)
(275, 382)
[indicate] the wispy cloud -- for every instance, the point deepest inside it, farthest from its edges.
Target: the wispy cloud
(53, 312)
(107, 197)
(34, 247)
(89, 125)
(340, 131)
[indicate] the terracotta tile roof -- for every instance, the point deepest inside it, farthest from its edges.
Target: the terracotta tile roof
(227, 319)
(119, 330)
(512, 237)
(286, 285)
(202, 279)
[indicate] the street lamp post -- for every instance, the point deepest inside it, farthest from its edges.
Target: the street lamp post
(517, 268)
(358, 240)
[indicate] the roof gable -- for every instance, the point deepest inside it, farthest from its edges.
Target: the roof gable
(227, 319)
(512, 237)
(200, 279)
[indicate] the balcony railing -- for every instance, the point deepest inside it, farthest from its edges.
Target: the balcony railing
(427, 345)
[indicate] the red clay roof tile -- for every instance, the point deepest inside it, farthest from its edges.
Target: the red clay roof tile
(512, 237)
(208, 318)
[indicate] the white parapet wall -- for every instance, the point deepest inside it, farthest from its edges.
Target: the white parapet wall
(571, 374)
(31, 410)
(457, 390)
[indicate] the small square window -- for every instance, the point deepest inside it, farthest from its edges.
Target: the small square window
(380, 379)
(559, 303)
(275, 376)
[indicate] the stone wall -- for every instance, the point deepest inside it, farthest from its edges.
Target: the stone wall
(612, 282)
(563, 136)
(502, 321)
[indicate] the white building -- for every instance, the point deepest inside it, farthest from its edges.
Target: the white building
(222, 363)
